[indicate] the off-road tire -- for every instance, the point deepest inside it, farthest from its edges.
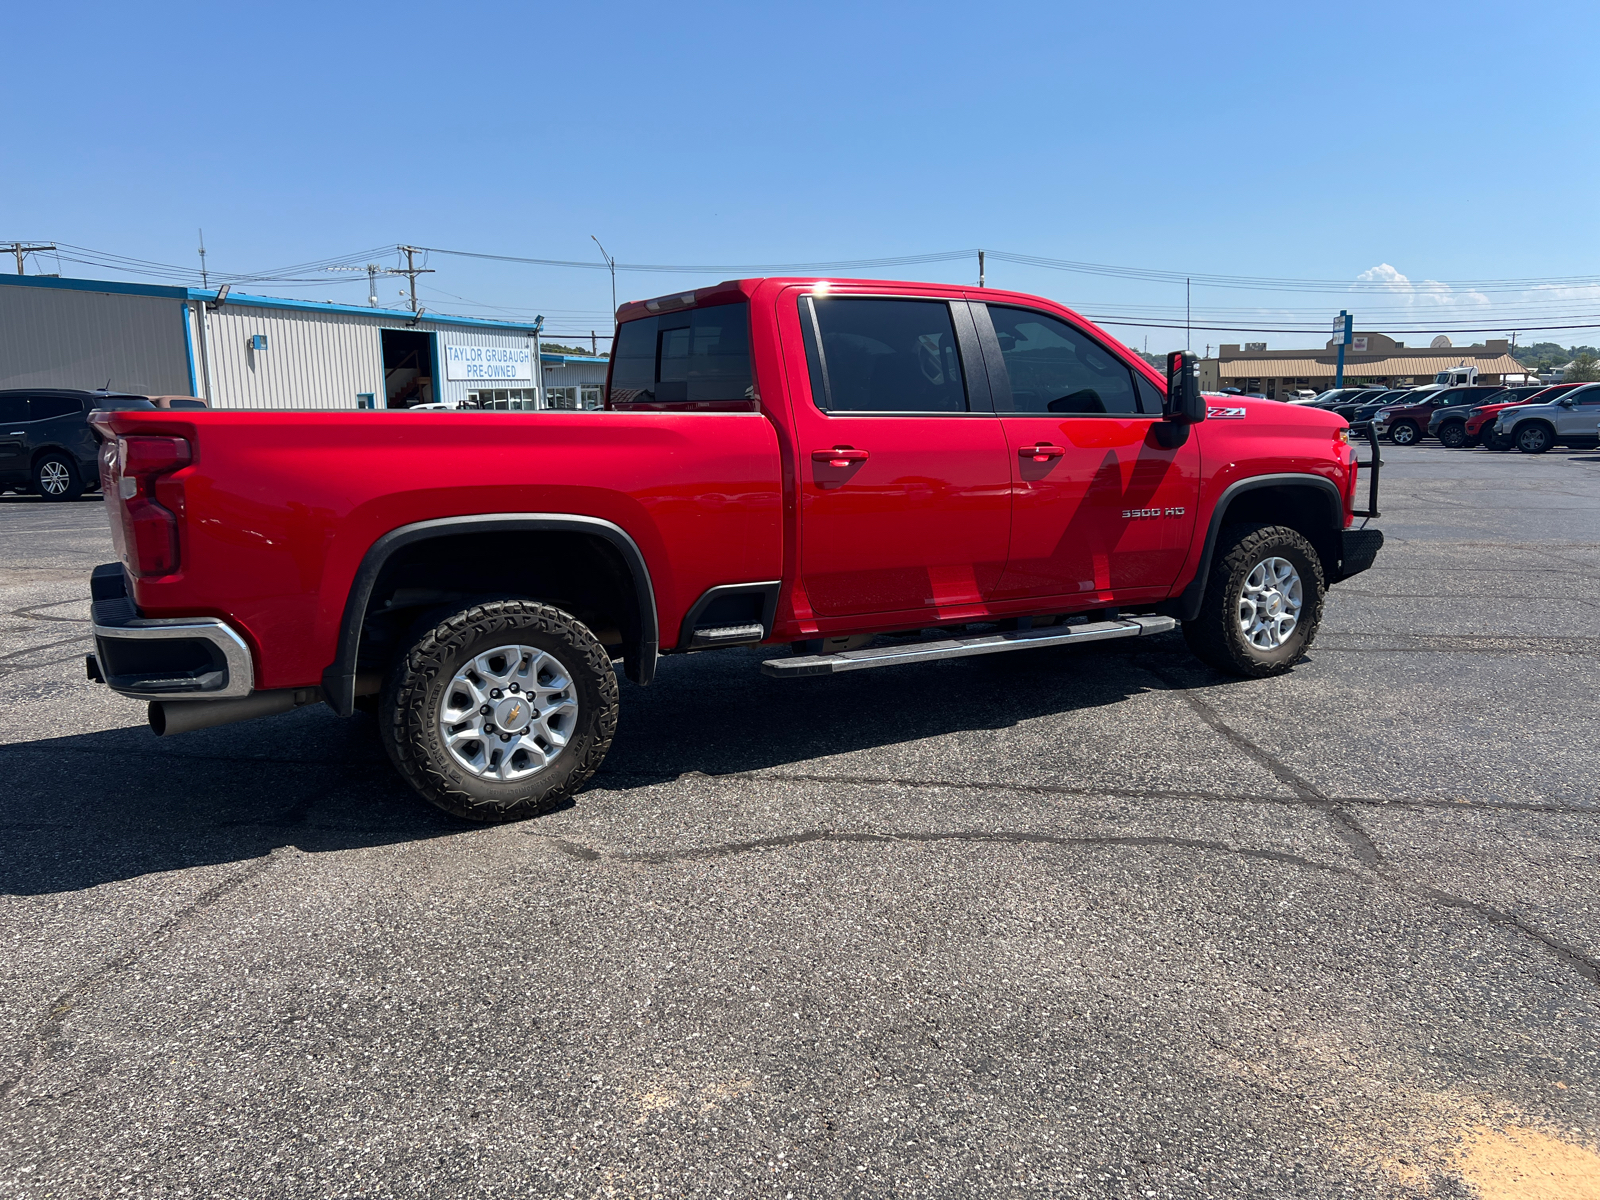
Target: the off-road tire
(55, 477)
(1453, 435)
(1534, 438)
(1405, 433)
(1215, 637)
(409, 712)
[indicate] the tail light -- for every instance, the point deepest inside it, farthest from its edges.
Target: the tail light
(133, 478)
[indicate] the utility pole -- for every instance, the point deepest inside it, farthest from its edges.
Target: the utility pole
(21, 248)
(594, 344)
(980, 268)
(612, 263)
(373, 270)
(411, 271)
(1188, 343)
(204, 282)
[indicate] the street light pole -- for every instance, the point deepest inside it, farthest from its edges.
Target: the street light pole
(612, 263)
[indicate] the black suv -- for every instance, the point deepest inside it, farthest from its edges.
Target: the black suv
(45, 442)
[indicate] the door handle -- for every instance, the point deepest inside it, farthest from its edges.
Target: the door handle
(839, 456)
(1043, 452)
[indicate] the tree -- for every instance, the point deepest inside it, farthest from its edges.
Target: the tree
(1584, 369)
(1541, 356)
(577, 351)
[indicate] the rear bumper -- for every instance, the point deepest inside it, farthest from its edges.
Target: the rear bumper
(174, 658)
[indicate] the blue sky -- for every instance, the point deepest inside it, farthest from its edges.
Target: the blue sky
(1421, 142)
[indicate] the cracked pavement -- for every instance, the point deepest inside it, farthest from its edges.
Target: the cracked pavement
(1087, 922)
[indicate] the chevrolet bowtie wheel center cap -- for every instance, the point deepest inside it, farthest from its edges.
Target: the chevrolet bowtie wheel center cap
(513, 714)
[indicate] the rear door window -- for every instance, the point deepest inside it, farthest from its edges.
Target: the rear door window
(1055, 368)
(13, 410)
(882, 355)
(42, 408)
(698, 356)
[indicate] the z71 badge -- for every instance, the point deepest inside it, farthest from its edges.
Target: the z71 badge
(1225, 414)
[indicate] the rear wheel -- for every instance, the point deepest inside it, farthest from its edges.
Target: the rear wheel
(1263, 602)
(1453, 435)
(55, 477)
(1534, 438)
(501, 711)
(1404, 433)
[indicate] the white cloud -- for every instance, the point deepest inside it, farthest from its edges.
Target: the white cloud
(1430, 293)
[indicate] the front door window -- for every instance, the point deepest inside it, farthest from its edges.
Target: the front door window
(1099, 509)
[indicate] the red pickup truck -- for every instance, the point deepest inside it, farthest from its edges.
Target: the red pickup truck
(856, 474)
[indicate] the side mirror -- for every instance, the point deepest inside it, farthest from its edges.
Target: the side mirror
(1566, 402)
(1184, 405)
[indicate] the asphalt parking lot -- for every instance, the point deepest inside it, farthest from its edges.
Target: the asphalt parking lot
(1095, 922)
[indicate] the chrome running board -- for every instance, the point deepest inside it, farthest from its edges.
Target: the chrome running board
(963, 647)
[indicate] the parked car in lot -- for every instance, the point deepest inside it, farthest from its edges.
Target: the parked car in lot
(1569, 418)
(46, 445)
(1458, 428)
(1405, 423)
(1363, 408)
(827, 468)
(1328, 401)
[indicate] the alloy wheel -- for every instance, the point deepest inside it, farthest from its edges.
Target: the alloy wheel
(1270, 603)
(509, 713)
(54, 478)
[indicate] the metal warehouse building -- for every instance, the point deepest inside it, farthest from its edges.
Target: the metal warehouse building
(259, 352)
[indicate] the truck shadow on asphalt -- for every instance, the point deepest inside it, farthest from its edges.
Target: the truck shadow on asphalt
(87, 809)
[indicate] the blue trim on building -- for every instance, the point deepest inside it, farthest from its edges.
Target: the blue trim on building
(400, 318)
(567, 360)
(188, 347)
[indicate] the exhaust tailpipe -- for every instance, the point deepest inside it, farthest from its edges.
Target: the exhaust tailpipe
(168, 717)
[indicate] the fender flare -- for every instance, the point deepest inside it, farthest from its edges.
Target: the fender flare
(339, 679)
(1189, 600)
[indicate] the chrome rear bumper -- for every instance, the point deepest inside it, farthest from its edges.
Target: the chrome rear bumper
(163, 658)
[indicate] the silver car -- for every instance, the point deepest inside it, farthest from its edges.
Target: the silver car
(1570, 419)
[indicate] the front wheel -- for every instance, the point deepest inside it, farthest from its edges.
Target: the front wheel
(1263, 602)
(1534, 438)
(501, 711)
(1494, 441)
(1404, 433)
(1453, 435)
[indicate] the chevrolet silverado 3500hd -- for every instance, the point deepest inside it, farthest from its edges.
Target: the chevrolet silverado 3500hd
(858, 474)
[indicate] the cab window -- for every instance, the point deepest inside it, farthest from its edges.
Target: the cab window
(868, 354)
(1054, 368)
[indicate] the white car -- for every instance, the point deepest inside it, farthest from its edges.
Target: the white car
(1569, 418)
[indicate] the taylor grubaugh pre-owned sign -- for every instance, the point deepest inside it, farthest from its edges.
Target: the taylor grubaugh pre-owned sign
(488, 362)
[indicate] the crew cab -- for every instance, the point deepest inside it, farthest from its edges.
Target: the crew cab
(1570, 417)
(851, 475)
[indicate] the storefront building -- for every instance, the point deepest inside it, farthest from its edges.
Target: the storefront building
(1373, 359)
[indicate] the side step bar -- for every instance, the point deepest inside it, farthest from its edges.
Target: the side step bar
(963, 647)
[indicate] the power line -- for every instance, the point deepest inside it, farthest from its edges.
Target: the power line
(1112, 319)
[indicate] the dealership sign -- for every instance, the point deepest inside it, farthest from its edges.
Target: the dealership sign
(489, 362)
